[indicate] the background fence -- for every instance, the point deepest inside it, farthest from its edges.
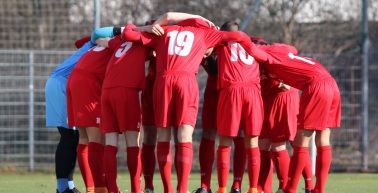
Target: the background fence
(36, 36)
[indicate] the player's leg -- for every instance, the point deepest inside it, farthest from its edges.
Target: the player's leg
(110, 127)
(133, 159)
(307, 176)
(184, 156)
(253, 120)
(65, 158)
(110, 161)
(281, 160)
(223, 162)
(95, 158)
(164, 157)
(73, 156)
(239, 160)
(266, 167)
(299, 159)
(322, 139)
(323, 159)
(209, 132)
(206, 157)
(82, 160)
(148, 156)
(253, 163)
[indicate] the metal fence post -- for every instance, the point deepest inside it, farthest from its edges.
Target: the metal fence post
(31, 111)
(97, 12)
(365, 86)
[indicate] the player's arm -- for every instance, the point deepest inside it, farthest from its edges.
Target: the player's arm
(105, 32)
(104, 42)
(169, 17)
(175, 17)
(129, 34)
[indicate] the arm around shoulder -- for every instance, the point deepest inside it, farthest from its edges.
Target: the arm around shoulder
(129, 34)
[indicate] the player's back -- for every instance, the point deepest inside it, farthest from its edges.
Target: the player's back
(236, 66)
(126, 66)
(182, 48)
(94, 62)
(66, 67)
(296, 71)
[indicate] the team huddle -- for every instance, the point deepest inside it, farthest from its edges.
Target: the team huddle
(251, 100)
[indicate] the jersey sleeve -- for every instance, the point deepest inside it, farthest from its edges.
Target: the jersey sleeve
(213, 38)
(101, 33)
(149, 39)
(259, 54)
(135, 36)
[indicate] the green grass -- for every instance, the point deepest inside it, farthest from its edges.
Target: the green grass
(17, 182)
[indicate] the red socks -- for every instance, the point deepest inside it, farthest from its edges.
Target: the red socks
(253, 156)
(164, 159)
(239, 161)
(96, 163)
(82, 159)
(135, 168)
(281, 160)
(223, 165)
(307, 175)
(297, 163)
(266, 172)
(323, 163)
(206, 160)
(148, 165)
(184, 165)
(110, 167)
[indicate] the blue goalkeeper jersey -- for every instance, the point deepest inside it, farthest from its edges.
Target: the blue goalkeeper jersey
(66, 67)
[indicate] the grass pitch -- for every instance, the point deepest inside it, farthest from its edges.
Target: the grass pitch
(18, 182)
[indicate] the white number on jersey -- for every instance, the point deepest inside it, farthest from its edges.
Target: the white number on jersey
(123, 49)
(292, 56)
(98, 48)
(238, 52)
(180, 43)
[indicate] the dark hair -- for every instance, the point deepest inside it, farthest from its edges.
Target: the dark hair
(229, 26)
(260, 42)
(150, 22)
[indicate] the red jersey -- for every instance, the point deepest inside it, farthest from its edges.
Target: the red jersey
(268, 85)
(95, 62)
(236, 67)
(126, 66)
(181, 48)
(293, 70)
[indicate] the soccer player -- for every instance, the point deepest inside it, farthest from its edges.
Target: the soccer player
(120, 107)
(319, 108)
(281, 105)
(209, 132)
(84, 108)
(179, 51)
(148, 118)
(239, 106)
(56, 116)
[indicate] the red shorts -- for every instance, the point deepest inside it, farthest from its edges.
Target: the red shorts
(148, 115)
(120, 110)
(210, 103)
(240, 107)
(83, 100)
(280, 116)
(320, 106)
(176, 98)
